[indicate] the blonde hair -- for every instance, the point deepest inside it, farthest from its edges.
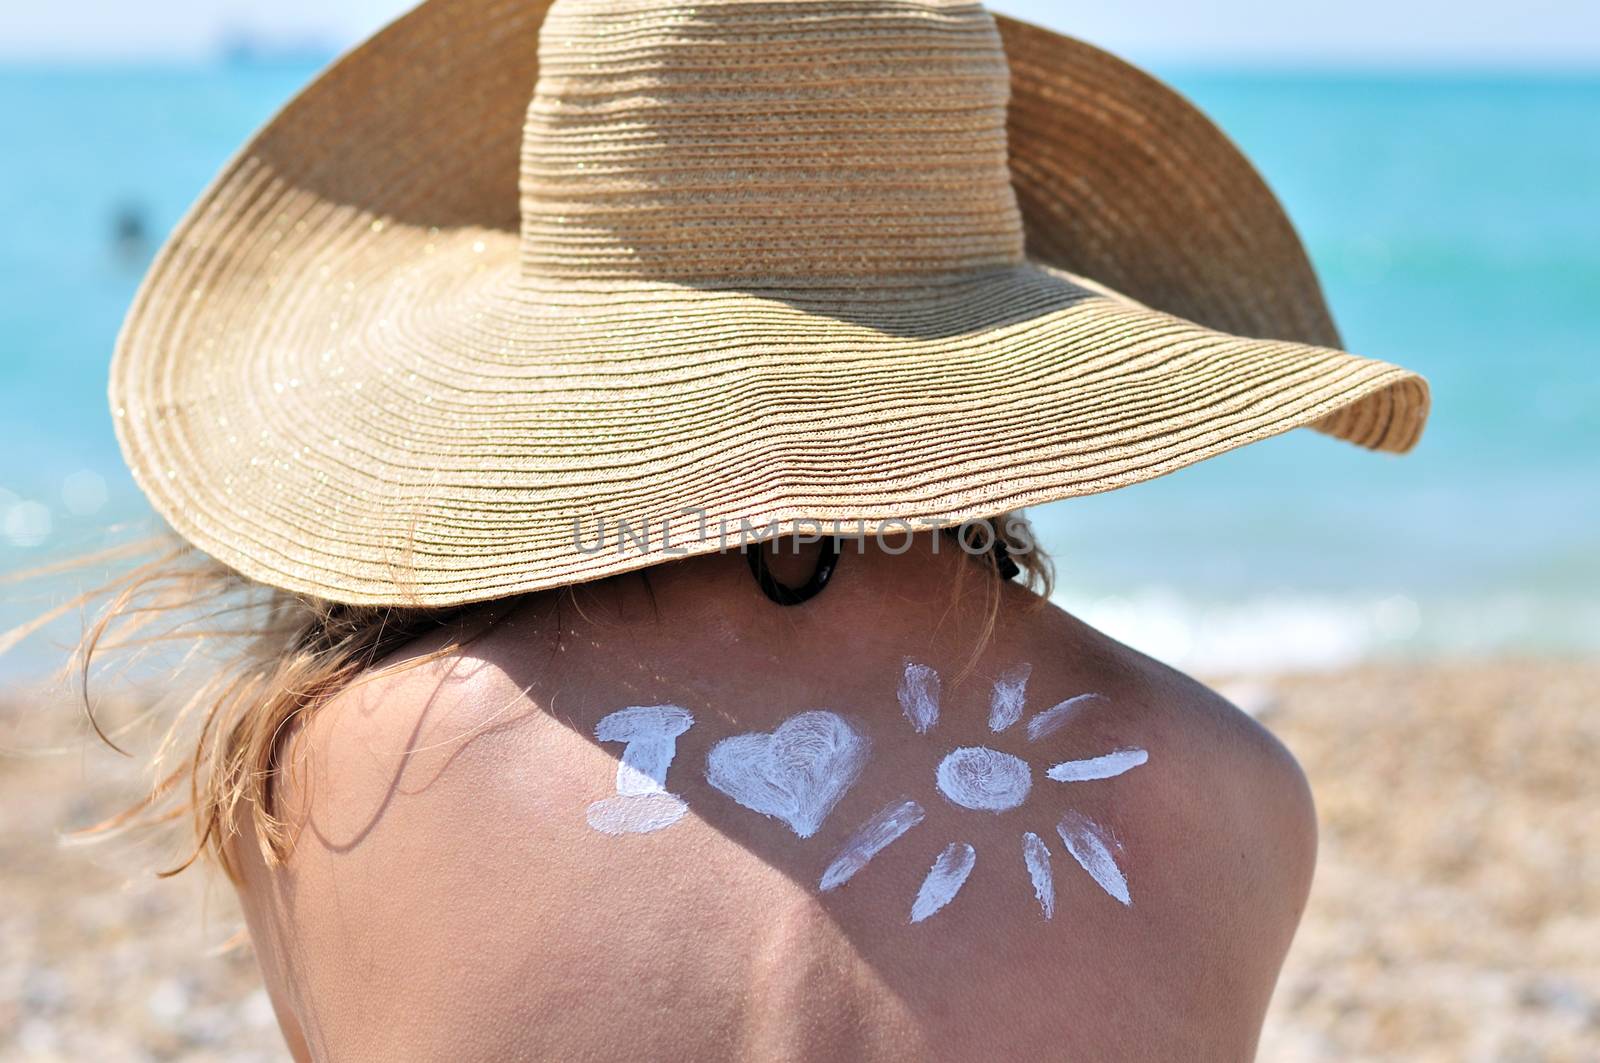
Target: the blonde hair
(271, 658)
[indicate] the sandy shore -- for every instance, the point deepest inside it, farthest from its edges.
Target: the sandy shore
(1456, 910)
(1456, 913)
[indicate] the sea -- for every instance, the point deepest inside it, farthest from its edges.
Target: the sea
(1454, 218)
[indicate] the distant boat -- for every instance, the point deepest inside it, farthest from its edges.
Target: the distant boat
(130, 235)
(246, 48)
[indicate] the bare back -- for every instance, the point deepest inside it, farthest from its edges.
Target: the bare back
(797, 867)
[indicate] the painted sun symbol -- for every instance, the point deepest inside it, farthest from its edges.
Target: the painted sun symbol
(989, 780)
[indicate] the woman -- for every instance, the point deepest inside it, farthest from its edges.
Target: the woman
(481, 402)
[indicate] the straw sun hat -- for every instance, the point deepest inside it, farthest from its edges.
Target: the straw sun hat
(739, 261)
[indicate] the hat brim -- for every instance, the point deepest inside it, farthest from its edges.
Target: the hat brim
(336, 381)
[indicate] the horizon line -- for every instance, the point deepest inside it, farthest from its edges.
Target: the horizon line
(1248, 61)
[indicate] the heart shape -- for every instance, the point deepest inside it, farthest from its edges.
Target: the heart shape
(797, 773)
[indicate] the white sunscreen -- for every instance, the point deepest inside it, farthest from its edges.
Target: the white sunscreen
(649, 734)
(636, 813)
(1054, 718)
(1095, 851)
(983, 779)
(870, 839)
(1010, 694)
(919, 696)
(944, 881)
(1103, 767)
(1036, 855)
(795, 774)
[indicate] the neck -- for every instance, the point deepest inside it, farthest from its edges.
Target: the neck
(932, 597)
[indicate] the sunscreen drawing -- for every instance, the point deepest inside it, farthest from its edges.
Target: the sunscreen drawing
(919, 696)
(870, 839)
(1054, 718)
(984, 779)
(1093, 847)
(944, 881)
(796, 773)
(649, 734)
(1036, 857)
(636, 813)
(1009, 697)
(993, 781)
(1105, 767)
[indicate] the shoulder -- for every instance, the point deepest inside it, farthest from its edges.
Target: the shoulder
(413, 824)
(444, 865)
(1220, 832)
(1215, 772)
(445, 877)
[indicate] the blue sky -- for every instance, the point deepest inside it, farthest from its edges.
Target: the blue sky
(1531, 33)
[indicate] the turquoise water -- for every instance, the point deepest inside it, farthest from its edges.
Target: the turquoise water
(1455, 222)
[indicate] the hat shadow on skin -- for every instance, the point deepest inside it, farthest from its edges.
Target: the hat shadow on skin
(995, 920)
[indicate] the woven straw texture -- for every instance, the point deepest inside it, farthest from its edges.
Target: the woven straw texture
(427, 342)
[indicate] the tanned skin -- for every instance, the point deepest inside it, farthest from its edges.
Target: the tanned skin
(446, 898)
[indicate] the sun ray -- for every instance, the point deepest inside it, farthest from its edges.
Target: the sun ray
(1036, 855)
(1092, 846)
(1010, 694)
(1054, 718)
(989, 780)
(945, 879)
(919, 696)
(870, 839)
(1103, 767)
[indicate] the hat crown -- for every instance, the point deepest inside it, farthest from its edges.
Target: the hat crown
(734, 141)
